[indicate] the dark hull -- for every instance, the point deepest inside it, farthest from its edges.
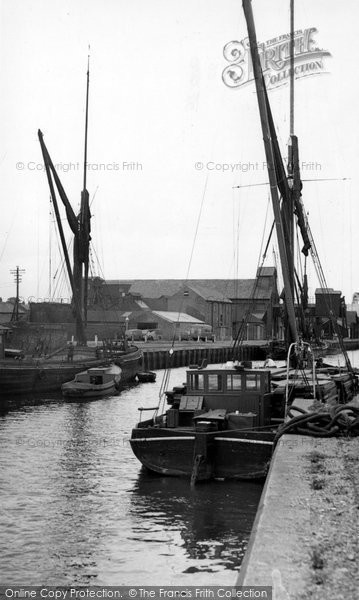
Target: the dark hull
(21, 377)
(95, 391)
(279, 350)
(130, 363)
(231, 454)
(146, 376)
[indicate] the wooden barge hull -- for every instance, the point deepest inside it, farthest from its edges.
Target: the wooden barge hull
(130, 364)
(23, 379)
(232, 454)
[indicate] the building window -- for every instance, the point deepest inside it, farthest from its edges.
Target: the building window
(252, 381)
(215, 382)
(234, 382)
(197, 381)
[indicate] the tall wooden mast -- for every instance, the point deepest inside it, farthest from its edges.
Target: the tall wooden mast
(289, 202)
(263, 105)
(81, 264)
(86, 118)
(291, 73)
(80, 227)
(294, 205)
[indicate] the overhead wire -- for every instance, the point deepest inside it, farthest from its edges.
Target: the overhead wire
(167, 373)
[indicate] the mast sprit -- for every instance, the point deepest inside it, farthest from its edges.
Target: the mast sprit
(51, 178)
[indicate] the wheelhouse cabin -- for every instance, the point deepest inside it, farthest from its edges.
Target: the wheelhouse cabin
(229, 397)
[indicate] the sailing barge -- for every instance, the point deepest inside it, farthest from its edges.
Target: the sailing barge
(38, 375)
(48, 374)
(222, 423)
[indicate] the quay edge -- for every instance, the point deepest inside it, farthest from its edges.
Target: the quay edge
(304, 541)
(156, 355)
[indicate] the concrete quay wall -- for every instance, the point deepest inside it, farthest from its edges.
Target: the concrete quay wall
(305, 539)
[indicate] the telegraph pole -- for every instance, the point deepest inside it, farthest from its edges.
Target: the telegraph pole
(18, 275)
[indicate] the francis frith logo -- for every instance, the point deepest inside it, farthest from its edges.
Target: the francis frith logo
(275, 59)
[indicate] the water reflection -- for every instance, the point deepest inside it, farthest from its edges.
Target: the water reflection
(77, 486)
(78, 509)
(213, 520)
(10, 403)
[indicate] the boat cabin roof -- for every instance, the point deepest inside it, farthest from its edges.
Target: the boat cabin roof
(109, 369)
(228, 380)
(98, 370)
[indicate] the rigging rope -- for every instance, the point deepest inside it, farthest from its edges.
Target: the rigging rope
(327, 299)
(245, 320)
(167, 374)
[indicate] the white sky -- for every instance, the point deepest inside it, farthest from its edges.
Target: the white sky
(157, 98)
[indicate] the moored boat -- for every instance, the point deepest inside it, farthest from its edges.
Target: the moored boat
(48, 373)
(218, 426)
(222, 423)
(94, 382)
(146, 376)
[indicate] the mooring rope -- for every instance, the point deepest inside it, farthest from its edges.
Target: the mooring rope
(340, 422)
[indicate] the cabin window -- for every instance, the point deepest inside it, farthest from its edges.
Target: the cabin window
(197, 381)
(252, 381)
(234, 382)
(215, 382)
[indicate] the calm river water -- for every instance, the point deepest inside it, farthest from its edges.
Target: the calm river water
(78, 509)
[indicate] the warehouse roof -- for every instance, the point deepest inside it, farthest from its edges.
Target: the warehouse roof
(217, 289)
(176, 317)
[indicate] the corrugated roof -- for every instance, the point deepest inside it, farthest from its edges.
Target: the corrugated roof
(223, 288)
(208, 293)
(175, 317)
(152, 288)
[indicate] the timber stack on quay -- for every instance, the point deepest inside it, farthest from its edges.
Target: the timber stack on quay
(157, 356)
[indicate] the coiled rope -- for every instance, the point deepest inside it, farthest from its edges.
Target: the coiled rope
(341, 421)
